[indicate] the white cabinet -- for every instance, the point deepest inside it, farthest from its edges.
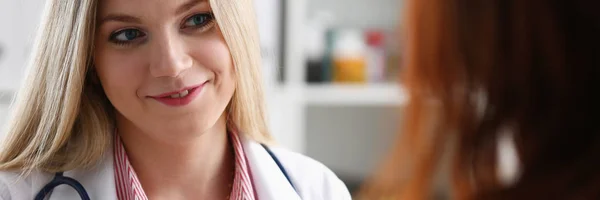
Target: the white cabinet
(18, 23)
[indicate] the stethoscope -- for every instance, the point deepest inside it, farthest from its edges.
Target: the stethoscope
(60, 179)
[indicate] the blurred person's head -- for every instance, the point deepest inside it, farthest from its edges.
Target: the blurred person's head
(102, 64)
(477, 71)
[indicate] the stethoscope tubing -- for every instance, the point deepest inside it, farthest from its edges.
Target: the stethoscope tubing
(59, 179)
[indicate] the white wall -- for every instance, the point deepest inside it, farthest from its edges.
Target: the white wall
(18, 22)
(8, 43)
(10, 56)
(360, 13)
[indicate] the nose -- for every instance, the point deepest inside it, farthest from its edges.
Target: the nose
(170, 57)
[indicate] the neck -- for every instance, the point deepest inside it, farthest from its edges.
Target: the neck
(189, 169)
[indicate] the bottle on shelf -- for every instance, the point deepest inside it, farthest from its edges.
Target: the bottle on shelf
(316, 47)
(349, 57)
(394, 47)
(376, 55)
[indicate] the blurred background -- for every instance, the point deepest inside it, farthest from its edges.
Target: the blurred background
(331, 70)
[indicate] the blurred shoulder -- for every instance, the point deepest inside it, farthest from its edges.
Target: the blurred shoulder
(15, 185)
(312, 179)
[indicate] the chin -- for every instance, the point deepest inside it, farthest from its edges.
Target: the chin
(189, 125)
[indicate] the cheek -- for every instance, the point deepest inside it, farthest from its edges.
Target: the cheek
(216, 57)
(119, 76)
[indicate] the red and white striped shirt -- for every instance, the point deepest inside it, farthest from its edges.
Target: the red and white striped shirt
(129, 187)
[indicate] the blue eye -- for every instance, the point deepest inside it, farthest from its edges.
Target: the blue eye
(197, 20)
(126, 35)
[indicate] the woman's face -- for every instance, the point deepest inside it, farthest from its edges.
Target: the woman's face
(163, 64)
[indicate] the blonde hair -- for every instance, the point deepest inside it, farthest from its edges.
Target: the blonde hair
(61, 119)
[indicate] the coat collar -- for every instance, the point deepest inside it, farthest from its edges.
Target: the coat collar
(269, 181)
(99, 182)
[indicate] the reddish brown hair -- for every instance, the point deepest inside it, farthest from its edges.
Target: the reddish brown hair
(475, 67)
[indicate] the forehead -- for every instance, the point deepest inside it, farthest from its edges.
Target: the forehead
(144, 7)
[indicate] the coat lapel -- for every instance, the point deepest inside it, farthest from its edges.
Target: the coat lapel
(39, 180)
(99, 182)
(269, 181)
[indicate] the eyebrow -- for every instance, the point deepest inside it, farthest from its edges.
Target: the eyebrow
(120, 18)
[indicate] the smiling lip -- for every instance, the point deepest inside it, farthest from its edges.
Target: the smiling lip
(166, 99)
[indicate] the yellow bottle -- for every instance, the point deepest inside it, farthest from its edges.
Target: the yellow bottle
(349, 70)
(349, 62)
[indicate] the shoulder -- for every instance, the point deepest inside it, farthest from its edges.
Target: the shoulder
(14, 185)
(312, 179)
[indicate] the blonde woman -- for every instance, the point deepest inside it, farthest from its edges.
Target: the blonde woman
(150, 99)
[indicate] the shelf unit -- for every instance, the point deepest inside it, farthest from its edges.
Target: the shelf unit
(359, 121)
(355, 95)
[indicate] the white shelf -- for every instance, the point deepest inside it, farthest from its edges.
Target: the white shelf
(355, 95)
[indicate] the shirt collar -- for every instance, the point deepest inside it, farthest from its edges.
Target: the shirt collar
(268, 182)
(129, 187)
